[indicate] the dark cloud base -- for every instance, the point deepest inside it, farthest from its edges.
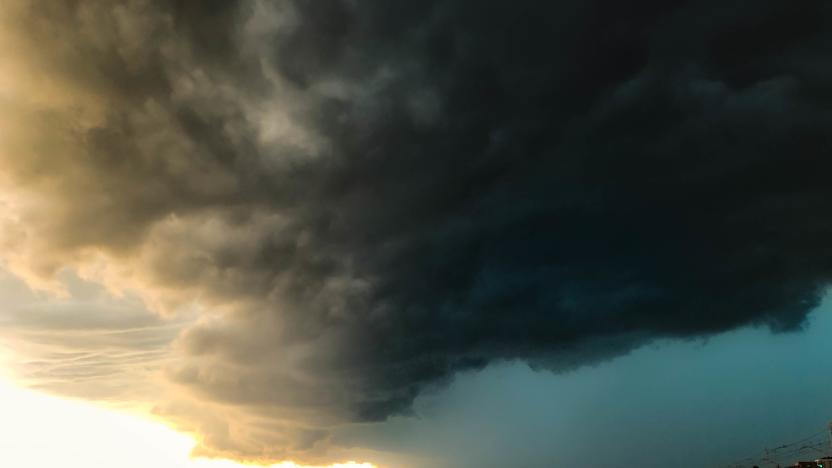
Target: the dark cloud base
(594, 169)
(558, 182)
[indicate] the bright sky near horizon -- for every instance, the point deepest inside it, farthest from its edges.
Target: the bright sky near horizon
(39, 430)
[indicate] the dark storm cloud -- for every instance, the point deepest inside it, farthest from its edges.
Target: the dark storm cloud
(590, 171)
(386, 194)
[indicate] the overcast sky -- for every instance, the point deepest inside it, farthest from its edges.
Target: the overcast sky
(436, 233)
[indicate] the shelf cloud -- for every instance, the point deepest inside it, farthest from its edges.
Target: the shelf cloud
(358, 200)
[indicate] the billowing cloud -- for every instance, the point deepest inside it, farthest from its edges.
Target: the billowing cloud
(363, 198)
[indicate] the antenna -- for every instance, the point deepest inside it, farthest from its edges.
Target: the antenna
(830, 433)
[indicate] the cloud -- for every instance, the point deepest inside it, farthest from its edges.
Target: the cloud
(89, 345)
(364, 200)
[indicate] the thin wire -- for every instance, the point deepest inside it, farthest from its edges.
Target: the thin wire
(774, 456)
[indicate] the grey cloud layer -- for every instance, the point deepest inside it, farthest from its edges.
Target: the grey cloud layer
(371, 197)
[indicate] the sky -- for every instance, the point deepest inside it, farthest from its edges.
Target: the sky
(456, 233)
(40, 430)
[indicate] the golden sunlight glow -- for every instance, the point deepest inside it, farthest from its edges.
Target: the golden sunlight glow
(41, 431)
